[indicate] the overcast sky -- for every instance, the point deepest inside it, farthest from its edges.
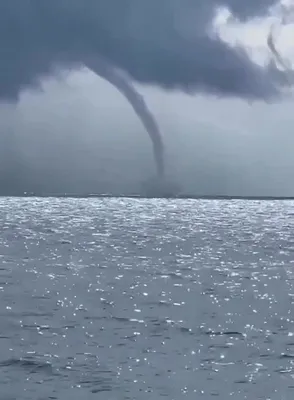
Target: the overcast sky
(80, 135)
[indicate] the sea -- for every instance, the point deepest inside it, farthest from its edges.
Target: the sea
(117, 298)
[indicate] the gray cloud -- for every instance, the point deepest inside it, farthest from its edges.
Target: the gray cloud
(166, 43)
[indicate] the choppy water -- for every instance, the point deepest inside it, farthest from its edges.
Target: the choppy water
(143, 299)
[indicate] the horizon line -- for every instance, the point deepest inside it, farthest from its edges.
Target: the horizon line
(138, 196)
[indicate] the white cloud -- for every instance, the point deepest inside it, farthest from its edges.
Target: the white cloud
(253, 34)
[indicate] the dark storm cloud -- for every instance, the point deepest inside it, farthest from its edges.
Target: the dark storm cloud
(163, 42)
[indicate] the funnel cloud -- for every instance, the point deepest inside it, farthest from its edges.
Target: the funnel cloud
(116, 78)
(168, 43)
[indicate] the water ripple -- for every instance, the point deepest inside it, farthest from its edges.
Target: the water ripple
(142, 299)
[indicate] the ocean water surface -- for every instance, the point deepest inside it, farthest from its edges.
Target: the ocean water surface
(146, 299)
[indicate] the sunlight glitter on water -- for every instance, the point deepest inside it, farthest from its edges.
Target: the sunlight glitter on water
(146, 298)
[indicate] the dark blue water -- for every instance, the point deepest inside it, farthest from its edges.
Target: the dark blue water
(146, 299)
